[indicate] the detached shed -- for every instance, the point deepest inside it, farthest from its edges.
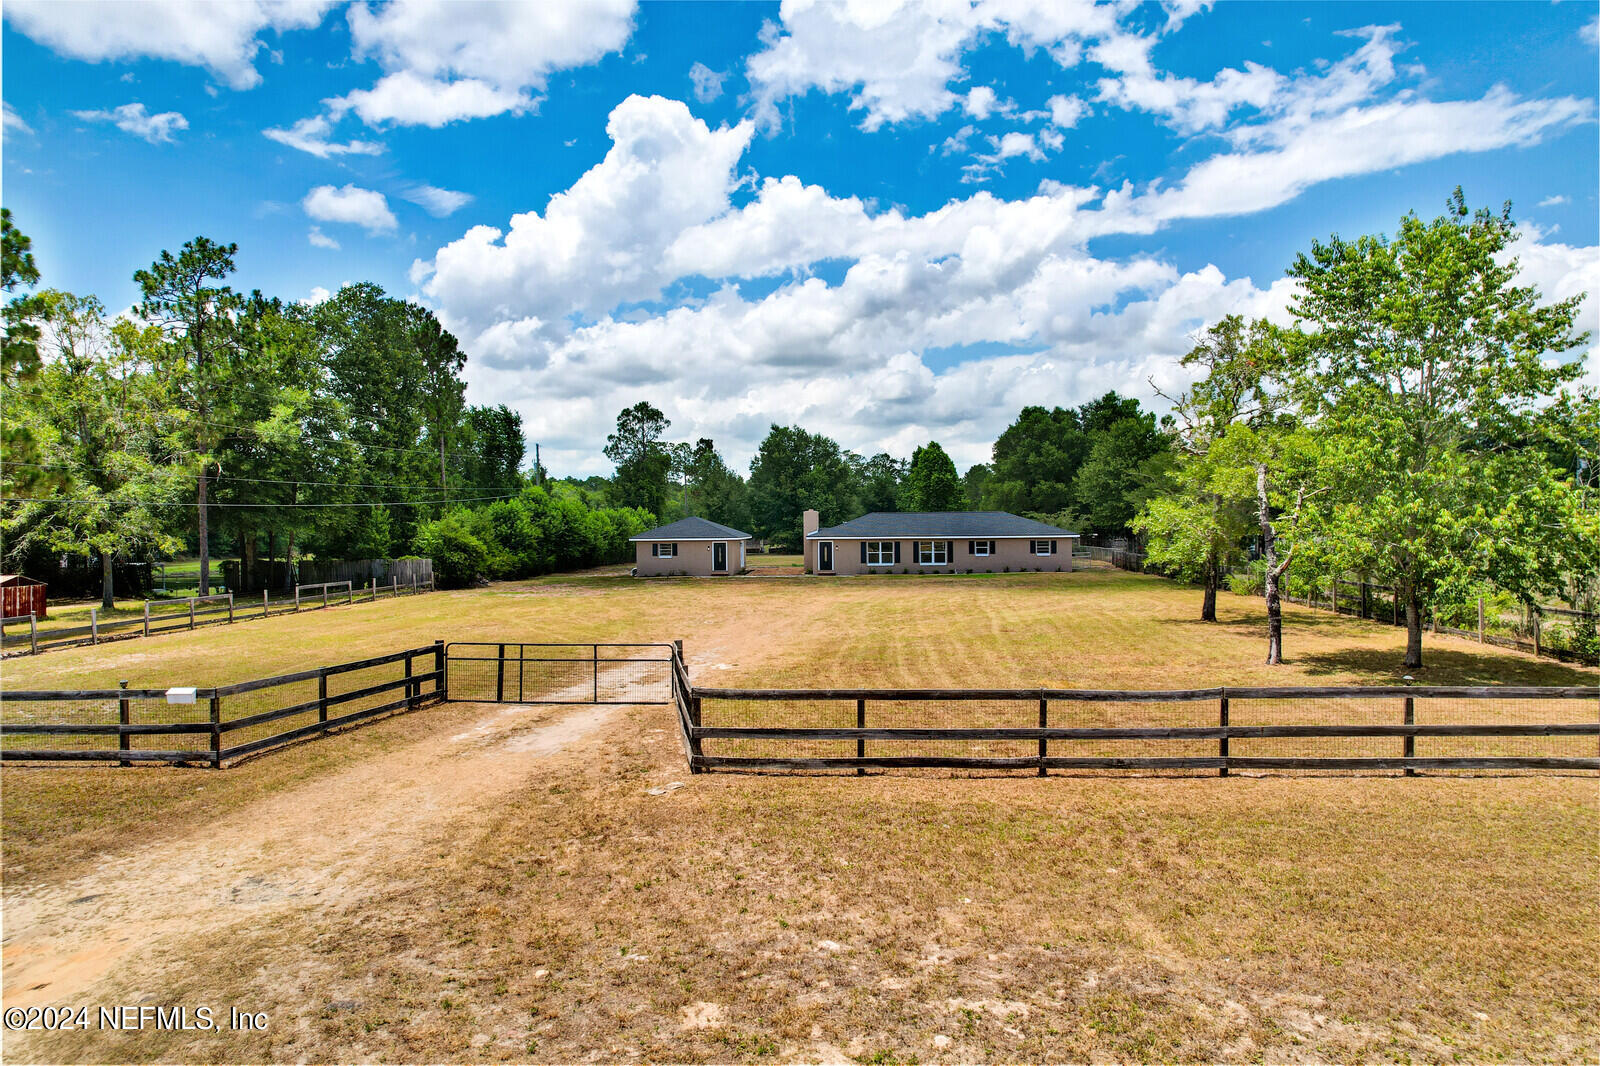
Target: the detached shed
(21, 596)
(693, 546)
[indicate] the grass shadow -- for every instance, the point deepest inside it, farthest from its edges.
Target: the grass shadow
(1447, 666)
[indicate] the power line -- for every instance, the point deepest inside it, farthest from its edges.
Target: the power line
(252, 506)
(222, 481)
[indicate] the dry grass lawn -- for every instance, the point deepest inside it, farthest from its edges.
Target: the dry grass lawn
(477, 882)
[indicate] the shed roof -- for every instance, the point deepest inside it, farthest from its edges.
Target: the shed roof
(692, 529)
(952, 524)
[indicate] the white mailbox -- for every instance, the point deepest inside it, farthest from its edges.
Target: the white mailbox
(181, 695)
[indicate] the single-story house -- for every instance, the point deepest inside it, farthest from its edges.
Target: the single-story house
(693, 546)
(941, 541)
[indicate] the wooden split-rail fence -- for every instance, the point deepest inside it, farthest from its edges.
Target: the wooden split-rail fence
(1409, 729)
(1260, 728)
(170, 616)
(212, 726)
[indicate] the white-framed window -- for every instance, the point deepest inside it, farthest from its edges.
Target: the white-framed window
(1040, 547)
(880, 553)
(983, 548)
(664, 551)
(933, 553)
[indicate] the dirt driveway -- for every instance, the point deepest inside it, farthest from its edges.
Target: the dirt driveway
(327, 842)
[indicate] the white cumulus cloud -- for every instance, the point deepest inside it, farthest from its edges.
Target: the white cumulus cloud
(319, 239)
(446, 61)
(311, 135)
(135, 119)
(350, 204)
(222, 37)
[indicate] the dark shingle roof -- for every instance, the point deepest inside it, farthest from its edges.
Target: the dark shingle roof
(953, 524)
(692, 529)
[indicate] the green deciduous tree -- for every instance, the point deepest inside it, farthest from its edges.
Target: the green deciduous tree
(1197, 529)
(1426, 372)
(1035, 462)
(97, 414)
(715, 491)
(793, 471)
(931, 483)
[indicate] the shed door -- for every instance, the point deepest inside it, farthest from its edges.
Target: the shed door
(719, 556)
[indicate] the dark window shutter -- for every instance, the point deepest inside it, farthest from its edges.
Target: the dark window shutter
(949, 551)
(1052, 547)
(674, 550)
(897, 551)
(992, 547)
(972, 547)
(863, 551)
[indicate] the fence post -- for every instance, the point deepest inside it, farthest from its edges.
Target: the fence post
(594, 650)
(410, 686)
(1222, 745)
(1410, 748)
(373, 583)
(123, 718)
(500, 676)
(413, 584)
(694, 720)
(1480, 619)
(861, 742)
(1044, 720)
(394, 587)
(191, 612)
(147, 618)
(322, 697)
(297, 598)
(438, 668)
(1535, 612)
(264, 609)
(1334, 591)
(216, 725)
(230, 608)
(33, 633)
(349, 593)
(94, 626)
(324, 594)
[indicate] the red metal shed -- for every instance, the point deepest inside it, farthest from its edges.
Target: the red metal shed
(21, 596)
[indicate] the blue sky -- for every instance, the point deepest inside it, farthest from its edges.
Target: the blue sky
(887, 223)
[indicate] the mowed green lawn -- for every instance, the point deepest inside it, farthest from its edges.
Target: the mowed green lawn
(564, 900)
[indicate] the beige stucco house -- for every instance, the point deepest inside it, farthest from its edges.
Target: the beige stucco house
(936, 542)
(696, 547)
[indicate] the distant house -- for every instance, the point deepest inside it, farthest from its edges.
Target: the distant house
(938, 541)
(693, 546)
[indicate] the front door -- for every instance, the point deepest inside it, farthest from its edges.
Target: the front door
(824, 556)
(719, 557)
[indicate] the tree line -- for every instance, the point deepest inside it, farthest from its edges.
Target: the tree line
(1088, 468)
(278, 429)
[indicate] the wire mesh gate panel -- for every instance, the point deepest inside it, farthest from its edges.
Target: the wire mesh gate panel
(482, 672)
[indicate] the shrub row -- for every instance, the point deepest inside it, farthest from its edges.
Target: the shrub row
(530, 534)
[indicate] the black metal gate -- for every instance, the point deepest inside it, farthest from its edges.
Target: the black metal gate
(483, 672)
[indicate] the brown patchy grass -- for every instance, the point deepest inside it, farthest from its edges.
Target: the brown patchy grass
(887, 918)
